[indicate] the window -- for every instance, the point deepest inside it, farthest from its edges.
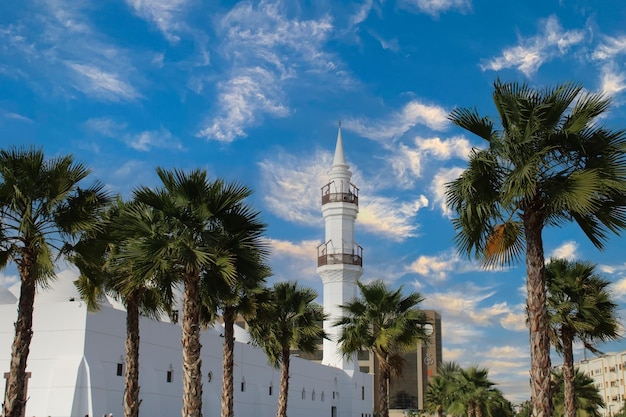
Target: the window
(270, 390)
(209, 376)
(243, 385)
(303, 394)
(313, 395)
(169, 376)
(363, 392)
(120, 369)
(322, 396)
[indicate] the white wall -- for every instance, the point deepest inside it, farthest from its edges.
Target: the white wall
(74, 357)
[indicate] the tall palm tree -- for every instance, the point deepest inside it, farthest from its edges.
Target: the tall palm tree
(239, 236)
(42, 207)
(290, 319)
(579, 308)
(387, 323)
(547, 163)
(588, 398)
(191, 208)
(104, 269)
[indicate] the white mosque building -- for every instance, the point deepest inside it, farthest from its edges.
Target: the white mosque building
(76, 362)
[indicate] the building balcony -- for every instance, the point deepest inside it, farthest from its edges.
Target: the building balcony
(330, 194)
(328, 255)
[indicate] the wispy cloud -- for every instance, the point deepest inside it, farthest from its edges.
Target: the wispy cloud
(407, 162)
(612, 80)
(243, 99)
(165, 14)
(398, 123)
(294, 260)
(438, 267)
(438, 187)
(265, 50)
(610, 48)
(531, 53)
(140, 141)
(436, 7)
(16, 116)
(96, 82)
(57, 51)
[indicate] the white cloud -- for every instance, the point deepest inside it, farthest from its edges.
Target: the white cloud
(438, 187)
(532, 52)
(57, 51)
(435, 7)
(140, 141)
(99, 83)
(514, 321)
(16, 116)
(567, 250)
(265, 49)
(105, 126)
(389, 217)
(241, 100)
(610, 48)
(397, 124)
(294, 260)
(612, 80)
(436, 267)
(454, 147)
(165, 14)
(146, 140)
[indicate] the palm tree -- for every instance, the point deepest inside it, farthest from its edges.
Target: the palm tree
(288, 320)
(437, 396)
(579, 307)
(548, 163)
(105, 270)
(191, 208)
(440, 389)
(239, 236)
(472, 392)
(588, 398)
(42, 207)
(387, 323)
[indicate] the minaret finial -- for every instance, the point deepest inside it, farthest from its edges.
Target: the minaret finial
(339, 156)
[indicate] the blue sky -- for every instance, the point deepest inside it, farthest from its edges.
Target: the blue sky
(253, 91)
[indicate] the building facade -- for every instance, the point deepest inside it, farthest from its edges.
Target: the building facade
(609, 375)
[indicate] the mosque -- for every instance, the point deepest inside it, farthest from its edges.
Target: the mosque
(76, 362)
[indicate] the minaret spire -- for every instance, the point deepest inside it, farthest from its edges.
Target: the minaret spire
(340, 159)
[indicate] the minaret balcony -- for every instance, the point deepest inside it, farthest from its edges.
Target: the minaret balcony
(328, 255)
(331, 194)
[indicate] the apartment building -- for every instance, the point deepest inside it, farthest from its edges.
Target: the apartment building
(609, 374)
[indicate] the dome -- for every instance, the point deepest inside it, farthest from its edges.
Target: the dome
(6, 296)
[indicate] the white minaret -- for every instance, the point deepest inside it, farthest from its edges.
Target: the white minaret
(339, 258)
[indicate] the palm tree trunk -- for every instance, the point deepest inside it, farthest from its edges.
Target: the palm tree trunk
(478, 410)
(192, 362)
(228, 363)
(383, 382)
(131, 389)
(540, 366)
(284, 383)
(569, 406)
(15, 398)
(440, 411)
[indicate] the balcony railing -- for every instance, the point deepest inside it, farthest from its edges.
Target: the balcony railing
(330, 194)
(327, 255)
